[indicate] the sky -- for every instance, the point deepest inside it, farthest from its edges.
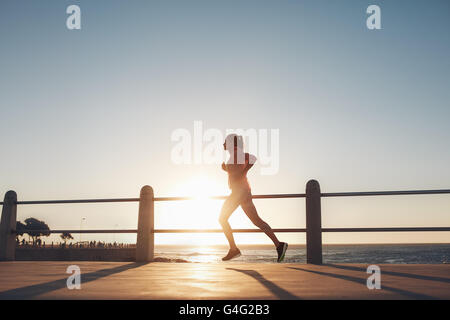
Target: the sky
(90, 113)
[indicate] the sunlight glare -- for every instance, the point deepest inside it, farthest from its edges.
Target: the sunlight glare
(201, 212)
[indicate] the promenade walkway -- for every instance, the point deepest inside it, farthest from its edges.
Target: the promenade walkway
(160, 280)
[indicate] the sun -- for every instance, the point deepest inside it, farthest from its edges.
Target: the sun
(199, 213)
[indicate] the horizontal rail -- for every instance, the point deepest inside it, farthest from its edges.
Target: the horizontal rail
(221, 231)
(304, 230)
(256, 196)
(381, 229)
(261, 196)
(384, 193)
(388, 229)
(82, 231)
(79, 201)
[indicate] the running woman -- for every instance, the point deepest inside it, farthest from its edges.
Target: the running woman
(237, 167)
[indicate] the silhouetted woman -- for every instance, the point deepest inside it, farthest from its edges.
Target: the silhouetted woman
(237, 167)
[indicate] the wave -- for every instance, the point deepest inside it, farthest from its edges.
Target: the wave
(193, 254)
(163, 259)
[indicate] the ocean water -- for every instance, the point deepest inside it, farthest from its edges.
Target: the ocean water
(359, 253)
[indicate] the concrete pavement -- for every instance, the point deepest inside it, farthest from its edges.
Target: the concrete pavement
(159, 280)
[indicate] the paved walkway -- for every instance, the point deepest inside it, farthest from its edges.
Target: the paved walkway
(159, 280)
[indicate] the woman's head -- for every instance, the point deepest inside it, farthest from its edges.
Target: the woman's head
(233, 142)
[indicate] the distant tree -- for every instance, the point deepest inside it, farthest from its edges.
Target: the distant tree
(66, 236)
(20, 229)
(36, 229)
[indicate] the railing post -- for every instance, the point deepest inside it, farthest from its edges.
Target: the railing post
(313, 223)
(145, 243)
(7, 226)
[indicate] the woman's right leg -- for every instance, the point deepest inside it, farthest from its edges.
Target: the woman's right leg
(250, 210)
(230, 204)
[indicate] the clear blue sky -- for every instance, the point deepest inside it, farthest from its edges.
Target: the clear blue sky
(89, 113)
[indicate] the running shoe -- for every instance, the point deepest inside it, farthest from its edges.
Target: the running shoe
(281, 250)
(232, 254)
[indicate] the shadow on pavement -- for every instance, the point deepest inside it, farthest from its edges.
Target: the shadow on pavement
(363, 281)
(31, 292)
(393, 273)
(272, 287)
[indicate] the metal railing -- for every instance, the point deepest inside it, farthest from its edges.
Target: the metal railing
(145, 231)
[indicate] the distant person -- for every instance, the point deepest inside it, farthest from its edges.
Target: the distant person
(237, 168)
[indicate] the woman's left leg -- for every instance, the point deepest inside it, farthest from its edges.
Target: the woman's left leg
(250, 210)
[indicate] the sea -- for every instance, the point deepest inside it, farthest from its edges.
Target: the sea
(334, 253)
